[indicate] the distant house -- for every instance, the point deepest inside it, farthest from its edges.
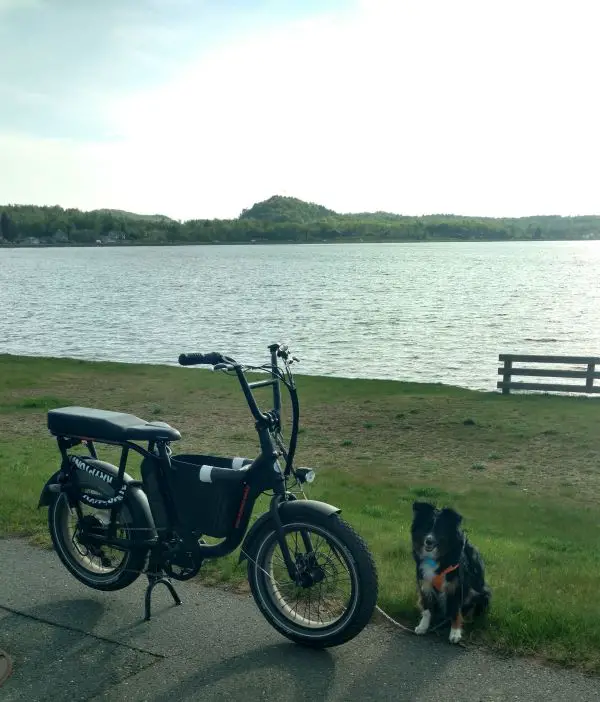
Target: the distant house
(114, 236)
(60, 237)
(31, 241)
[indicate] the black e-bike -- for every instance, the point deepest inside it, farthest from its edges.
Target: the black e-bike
(310, 574)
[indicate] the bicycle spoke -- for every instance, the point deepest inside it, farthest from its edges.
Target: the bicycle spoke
(316, 604)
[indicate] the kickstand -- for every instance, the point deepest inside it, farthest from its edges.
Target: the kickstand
(156, 576)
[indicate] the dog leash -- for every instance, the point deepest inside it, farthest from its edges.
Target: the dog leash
(377, 607)
(437, 626)
(406, 628)
(393, 621)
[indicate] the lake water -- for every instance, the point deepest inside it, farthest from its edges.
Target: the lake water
(433, 312)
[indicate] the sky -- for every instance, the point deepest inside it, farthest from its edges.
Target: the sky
(199, 108)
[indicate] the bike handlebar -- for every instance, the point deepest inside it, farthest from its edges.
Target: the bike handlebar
(200, 359)
(215, 358)
(221, 362)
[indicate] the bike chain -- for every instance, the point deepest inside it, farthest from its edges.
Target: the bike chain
(247, 555)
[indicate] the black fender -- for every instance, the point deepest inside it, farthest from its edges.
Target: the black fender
(288, 511)
(47, 491)
(134, 493)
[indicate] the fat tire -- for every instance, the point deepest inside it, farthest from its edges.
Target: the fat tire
(136, 556)
(366, 583)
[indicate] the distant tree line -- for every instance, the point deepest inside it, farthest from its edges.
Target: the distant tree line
(279, 219)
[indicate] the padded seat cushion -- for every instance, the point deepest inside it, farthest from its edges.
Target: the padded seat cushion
(101, 424)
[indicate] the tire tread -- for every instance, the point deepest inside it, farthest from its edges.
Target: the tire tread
(366, 575)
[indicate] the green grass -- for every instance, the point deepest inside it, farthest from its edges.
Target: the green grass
(523, 470)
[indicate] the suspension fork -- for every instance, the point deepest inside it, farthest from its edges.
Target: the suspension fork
(290, 564)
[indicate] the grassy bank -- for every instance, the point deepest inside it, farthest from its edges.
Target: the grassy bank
(524, 471)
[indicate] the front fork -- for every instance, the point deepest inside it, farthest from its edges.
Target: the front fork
(291, 564)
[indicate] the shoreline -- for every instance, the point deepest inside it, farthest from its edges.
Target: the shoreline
(427, 386)
(423, 385)
(437, 240)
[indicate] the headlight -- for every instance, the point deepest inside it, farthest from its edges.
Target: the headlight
(305, 475)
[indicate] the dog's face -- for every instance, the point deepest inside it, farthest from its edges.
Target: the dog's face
(435, 533)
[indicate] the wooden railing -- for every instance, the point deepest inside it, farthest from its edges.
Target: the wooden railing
(508, 371)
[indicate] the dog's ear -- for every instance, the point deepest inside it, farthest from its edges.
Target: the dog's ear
(451, 516)
(422, 508)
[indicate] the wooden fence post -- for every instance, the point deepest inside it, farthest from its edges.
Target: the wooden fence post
(589, 380)
(506, 375)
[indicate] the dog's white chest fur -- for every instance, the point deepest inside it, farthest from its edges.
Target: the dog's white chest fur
(428, 570)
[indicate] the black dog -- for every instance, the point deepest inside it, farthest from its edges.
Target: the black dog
(450, 571)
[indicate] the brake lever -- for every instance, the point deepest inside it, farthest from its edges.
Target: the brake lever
(285, 353)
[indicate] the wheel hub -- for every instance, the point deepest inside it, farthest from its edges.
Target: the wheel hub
(88, 527)
(309, 571)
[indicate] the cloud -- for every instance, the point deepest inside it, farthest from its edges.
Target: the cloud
(50, 171)
(8, 5)
(462, 107)
(396, 108)
(62, 67)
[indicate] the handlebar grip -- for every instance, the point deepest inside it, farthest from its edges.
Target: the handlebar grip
(199, 359)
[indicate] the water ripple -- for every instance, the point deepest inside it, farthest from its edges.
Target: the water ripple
(432, 312)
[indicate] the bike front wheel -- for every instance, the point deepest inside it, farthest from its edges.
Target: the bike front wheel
(335, 593)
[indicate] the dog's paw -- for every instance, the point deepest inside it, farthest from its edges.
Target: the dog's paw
(423, 625)
(455, 635)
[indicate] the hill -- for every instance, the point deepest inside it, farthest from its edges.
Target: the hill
(133, 215)
(275, 220)
(286, 209)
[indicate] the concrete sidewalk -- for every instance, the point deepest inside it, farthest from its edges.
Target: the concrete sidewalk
(71, 643)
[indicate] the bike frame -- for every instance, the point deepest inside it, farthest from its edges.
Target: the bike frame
(262, 474)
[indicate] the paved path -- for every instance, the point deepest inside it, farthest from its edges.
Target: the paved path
(72, 643)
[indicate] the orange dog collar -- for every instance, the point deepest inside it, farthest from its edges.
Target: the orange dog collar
(438, 580)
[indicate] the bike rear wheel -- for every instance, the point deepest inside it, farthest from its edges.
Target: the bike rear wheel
(96, 565)
(338, 593)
